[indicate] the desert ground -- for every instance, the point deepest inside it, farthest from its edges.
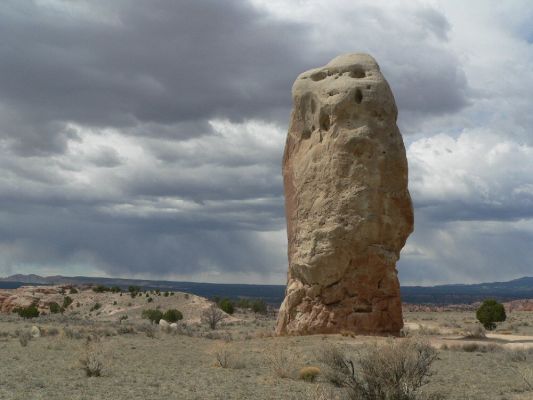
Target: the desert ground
(241, 359)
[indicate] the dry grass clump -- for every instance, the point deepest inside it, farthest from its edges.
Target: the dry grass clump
(282, 362)
(519, 354)
(265, 334)
(24, 337)
(475, 347)
(428, 331)
(309, 374)
(475, 332)
(395, 370)
(347, 333)
(125, 330)
(70, 333)
(226, 358)
(149, 330)
(50, 332)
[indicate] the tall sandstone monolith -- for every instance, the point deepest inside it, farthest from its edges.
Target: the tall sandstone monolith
(348, 208)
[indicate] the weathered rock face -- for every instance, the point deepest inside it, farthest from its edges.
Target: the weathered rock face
(348, 209)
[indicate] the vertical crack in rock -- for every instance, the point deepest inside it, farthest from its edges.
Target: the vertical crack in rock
(348, 208)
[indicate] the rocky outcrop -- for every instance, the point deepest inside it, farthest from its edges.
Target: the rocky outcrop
(348, 209)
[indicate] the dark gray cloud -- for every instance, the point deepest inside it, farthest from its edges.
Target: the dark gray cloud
(153, 67)
(159, 63)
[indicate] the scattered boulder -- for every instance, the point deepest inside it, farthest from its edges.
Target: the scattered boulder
(35, 331)
(163, 323)
(347, 205)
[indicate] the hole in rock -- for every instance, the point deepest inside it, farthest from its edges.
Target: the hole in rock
(318, 76)
(358, 73)
(313, 107)
(358, 96)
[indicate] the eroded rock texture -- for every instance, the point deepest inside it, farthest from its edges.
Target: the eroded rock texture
(348, 209)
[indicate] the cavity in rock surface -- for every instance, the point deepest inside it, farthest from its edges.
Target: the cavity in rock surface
(347, 205)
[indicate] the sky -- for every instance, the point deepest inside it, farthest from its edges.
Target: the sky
(144, 139)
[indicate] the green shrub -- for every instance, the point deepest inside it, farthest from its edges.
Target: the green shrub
(54, 307)
(166, 294)
(152, 315)
(67, 301)
(27, 312)
(100, 289)
(115, 289)
(149, 299)
(134, 291)
(97, 306)
(226, 305)
(259, 306)
(172, 315)
(73, 291)
(244, 303)
(489, 313)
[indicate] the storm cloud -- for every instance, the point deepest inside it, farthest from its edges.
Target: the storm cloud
(145, 138)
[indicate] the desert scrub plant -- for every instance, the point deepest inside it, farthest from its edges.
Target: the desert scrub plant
(225, 358)
(489, 313)
(24, 338)
(395, 370)
(27, 312)
(149, 330)
(54, 307)
(51, 332)
(477, 348)
(308, 374)
(226, 305)
(95, 307)
(70, 333)
(125, 329)
(517, 355)
(91, 362)
(152, 315)
(259, 306)
(475, 332)
(134, 291)
(428, 330)
(282, 362)
(212, 316)
(67, 301)
(172, 315)
(101, 289)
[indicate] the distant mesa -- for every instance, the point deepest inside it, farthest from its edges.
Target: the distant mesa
(348, 209)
